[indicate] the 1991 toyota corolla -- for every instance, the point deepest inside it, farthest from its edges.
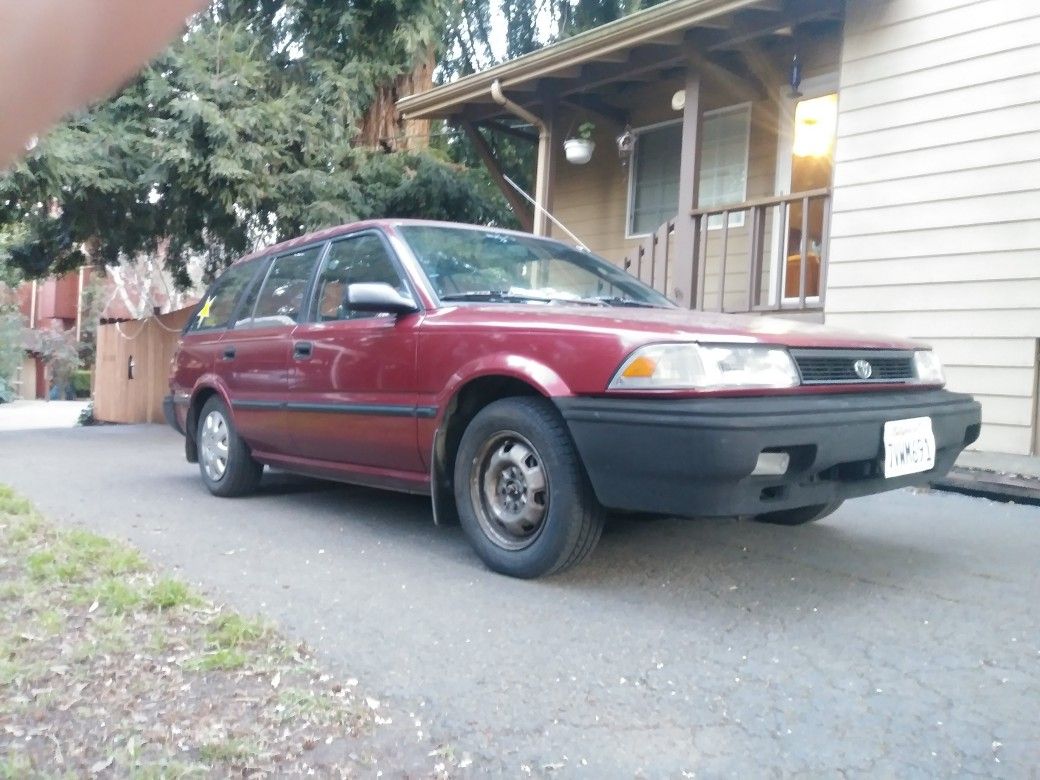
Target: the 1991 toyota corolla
(527, 386)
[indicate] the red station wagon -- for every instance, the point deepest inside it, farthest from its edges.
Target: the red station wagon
(528, 386)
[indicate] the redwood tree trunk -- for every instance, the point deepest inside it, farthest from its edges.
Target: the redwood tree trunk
(383, 127)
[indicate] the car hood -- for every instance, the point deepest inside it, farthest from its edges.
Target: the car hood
(644, 325)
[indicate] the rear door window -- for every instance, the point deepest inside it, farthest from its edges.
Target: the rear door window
(281, 298)
(218, 304)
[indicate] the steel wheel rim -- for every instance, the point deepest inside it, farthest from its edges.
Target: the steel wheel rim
(509, 487)
(213, 445)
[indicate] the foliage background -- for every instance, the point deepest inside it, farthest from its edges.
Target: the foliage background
(246, 131)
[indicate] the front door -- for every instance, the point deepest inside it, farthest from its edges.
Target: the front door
(352, 396)
(805, 161)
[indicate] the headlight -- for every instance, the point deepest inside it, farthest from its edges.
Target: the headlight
(705, 367)
(928, 368)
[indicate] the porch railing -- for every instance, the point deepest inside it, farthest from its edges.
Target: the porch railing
(650, 260)
(752, 263)
(736, 267)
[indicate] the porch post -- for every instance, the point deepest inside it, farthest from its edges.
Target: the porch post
(545, 173)
(684, 273)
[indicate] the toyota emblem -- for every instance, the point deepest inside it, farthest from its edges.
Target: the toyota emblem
(863, 369)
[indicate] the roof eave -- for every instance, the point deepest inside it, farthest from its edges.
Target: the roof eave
(631, 31)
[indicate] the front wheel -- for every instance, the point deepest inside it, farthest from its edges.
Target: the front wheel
(524, 500)
(226, 465)
(800, 515)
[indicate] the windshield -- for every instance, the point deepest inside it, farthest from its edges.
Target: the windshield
(466, 264)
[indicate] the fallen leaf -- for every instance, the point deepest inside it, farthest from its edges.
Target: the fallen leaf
(100, 766)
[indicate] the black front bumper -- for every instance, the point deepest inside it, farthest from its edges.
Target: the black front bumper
(694, 457)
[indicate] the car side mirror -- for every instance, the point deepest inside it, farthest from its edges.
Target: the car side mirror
(378, 297)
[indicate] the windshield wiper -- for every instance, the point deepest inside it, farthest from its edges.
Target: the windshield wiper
(617, 300)
(493, 295)
(513, 296)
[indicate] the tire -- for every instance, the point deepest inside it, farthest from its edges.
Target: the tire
(524, 499)
(225, 462)
(800, 515)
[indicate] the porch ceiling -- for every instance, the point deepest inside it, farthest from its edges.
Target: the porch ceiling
(638, 47)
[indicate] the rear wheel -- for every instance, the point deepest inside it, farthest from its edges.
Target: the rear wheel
(226, 465)
(524, 500)
(800, 515)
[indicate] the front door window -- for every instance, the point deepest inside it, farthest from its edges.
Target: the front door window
(812, 165)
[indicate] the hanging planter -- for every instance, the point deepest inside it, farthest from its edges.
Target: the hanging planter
(578, 149)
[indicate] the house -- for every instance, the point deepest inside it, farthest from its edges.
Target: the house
(873, 164)
(50, 303)
(76, 301)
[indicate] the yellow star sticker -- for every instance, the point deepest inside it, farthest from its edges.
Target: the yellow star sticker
(204, 312)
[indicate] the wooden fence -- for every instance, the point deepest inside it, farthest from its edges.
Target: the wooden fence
(132, 368)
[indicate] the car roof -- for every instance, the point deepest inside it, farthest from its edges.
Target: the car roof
(386, 224)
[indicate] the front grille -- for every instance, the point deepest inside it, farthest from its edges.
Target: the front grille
(828, 366)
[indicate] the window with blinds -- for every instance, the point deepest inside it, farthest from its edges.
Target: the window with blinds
(724, 161)
(654, 176)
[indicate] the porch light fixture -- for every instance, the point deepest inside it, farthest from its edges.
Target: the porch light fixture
(796, 77)
(679, 100)
(815, 125)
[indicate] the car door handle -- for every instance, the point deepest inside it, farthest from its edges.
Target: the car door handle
(229, 353)
(302, 350)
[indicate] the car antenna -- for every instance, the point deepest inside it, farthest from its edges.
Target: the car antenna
(581, 244)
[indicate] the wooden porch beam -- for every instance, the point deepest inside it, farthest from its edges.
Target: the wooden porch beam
(620, 55)
(753, 23)
(748, 86)
(761, 68)
(774, 6)
(599, 106)
(487, 156)
(668, 39)
(641, 61)
(478, 113)
(515, 132)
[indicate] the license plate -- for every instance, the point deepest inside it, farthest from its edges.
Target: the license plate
(909, 446)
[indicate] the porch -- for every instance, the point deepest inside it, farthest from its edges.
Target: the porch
(742, 275)
(697, 183)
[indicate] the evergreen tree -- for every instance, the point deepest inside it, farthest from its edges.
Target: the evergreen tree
(245, 132)
(270, 118)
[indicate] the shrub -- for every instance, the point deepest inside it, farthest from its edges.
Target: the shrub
(81, 383)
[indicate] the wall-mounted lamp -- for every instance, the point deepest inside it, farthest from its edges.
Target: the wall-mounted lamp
(796, 77)
(679, 100)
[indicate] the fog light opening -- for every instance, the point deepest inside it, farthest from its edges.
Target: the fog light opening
(771, 464)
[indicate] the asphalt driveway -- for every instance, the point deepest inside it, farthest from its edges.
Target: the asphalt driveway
(900, 637)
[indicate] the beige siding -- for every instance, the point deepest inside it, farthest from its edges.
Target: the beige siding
(936, 220)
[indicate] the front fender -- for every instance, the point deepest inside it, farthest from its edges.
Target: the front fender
(524, 369)
(532, 373)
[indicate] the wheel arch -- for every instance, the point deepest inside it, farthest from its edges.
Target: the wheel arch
(467, 399)
(199, 397)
